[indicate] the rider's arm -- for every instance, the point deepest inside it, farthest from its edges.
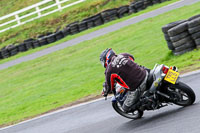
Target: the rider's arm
(107, 82)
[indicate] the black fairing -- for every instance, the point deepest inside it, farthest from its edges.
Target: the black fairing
(149, 80)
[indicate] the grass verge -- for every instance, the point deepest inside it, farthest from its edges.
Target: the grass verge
(34, 87)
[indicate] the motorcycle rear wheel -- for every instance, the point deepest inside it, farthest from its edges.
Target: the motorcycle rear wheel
(131, 115)
(185, 93)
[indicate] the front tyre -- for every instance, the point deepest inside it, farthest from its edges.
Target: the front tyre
(131, 115)
(184, 95)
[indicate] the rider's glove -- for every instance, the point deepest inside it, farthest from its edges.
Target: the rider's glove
(104, 92)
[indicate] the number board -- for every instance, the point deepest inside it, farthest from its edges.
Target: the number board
(171, 76)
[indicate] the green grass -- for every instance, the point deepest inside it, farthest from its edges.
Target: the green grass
(88, 31)
(34, 87)
(9, 6)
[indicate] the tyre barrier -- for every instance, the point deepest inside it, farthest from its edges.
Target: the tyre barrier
(78, 26)
(109, 15)
(183, 36)
(89, 22)
(21, 47)
(59, 35)
(82, 26)
(73, 28)
(123, 11)
(13, 50)
(43, 40)
(28, 43)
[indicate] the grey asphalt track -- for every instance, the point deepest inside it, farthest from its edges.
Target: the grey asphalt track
(98, 33)
(99, 117)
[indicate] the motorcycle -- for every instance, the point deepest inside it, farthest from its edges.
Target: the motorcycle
(164, 88)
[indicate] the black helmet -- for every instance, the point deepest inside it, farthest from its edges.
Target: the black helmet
(106, 56)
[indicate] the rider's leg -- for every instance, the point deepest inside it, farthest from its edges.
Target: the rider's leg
(133, 96)
(131, 99)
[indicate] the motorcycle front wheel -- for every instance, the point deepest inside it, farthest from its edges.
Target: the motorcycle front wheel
(184, 94)
(131, 115)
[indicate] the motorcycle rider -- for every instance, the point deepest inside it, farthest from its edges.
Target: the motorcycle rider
(122, 69)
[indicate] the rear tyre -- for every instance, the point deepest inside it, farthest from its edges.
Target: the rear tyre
(184, 94)
(131, 115)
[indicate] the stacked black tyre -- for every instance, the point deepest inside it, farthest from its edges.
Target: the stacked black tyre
(89, 22)
(97, 19)
(42, 39)
(28, 43)
(59, 35)
(109, 15)
(22, 47)
(183, 36)
(148, 3)
(36, 44)
(178, 37)
(74, 27)
(82, 26)
(181, 39)
(136, 6)
(66, 31)
(122, 11)
(156, 1)
(13, 50)
(8, 51)
(165, 30)
(194, 30)
(4, 53)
